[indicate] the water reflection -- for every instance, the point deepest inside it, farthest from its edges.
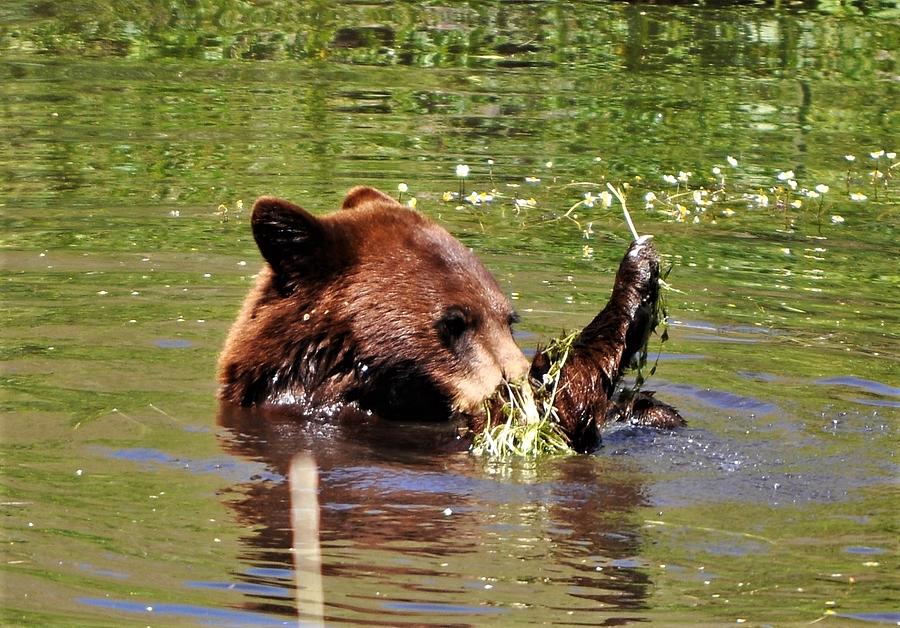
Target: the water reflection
(415, 531)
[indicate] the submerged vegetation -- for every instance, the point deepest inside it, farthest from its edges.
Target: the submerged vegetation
(691, 198)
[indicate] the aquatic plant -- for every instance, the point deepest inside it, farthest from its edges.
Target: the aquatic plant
(684, 196)
(528, 425)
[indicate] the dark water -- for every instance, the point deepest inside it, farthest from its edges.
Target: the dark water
(135, 138)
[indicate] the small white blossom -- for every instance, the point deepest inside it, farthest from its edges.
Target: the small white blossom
(812, 194)
(731, 161)
(532, 180)
(605, 198)
(792, 183)
(796, 204)
(850, 157)
(525, 202)
(787, 175)
(838, 220)
(822, 188)
(728, 213)
(684, 176)
(670, 179)
(716, 170)
(649, 197)
(403, 188)
(549, 164)
(877, 154)
(462, 171)
(858, 196)
(589, 199)
(490, 162)
(890, 155)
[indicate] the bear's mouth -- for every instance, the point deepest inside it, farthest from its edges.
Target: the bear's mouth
(405, 393)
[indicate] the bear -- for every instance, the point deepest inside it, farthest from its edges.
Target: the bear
(378, 308)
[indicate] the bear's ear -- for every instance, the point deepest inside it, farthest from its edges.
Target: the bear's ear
(364, 194)
(286, 234)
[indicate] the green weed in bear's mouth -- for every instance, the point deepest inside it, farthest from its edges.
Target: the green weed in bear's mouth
(528, 424)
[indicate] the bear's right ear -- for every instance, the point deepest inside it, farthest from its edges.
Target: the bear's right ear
(364, 194)
(287, 235)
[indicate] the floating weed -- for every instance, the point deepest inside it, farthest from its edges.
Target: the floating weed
(528, 425)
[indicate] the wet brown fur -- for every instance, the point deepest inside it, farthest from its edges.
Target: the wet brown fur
(362, 307)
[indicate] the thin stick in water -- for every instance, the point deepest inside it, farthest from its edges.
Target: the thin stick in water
(304, 484)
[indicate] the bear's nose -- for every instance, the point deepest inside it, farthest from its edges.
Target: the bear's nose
(515, 366)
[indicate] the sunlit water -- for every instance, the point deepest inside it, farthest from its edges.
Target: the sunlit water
(129, 136)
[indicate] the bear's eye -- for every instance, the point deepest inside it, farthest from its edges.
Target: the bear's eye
(512, 319)
(453, 325)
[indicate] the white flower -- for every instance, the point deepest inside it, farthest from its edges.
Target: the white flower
(716, 170)
(698, 197)
(684, 176)
(474, 198)
(525, 202)
(411, 203)
(731, 161)
(549, 164)
(670, 179)
(462, 171)
(822, 188)
(589, 199)
(402, 188)
(786, 175)
(890, 155)
(796, 204)
(786, 251)
(792, 184)
(728, 213)
(532, 180)
(877, 154)
(485, 197)
(649, 197)
(605, 198)
(838, 220)
(598, 159)
(858, 196)
(490, 162)
(812, 194)
(850, 157)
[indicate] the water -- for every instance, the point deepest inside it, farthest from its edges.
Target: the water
(130, 134)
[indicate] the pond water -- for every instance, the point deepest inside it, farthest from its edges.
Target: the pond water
(136, 136)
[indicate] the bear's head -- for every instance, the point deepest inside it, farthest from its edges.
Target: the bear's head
(373, 304)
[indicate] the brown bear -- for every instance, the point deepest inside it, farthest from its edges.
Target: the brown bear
(379, 308)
